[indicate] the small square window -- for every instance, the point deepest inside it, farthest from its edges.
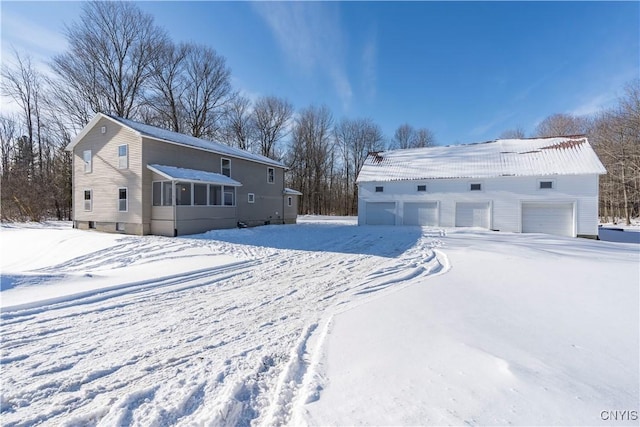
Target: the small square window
(251, 198)
(475, 187)
(546, 185)
(271, 175)
(379, 189)
(92, 225)
(120, 226)
(422, 188)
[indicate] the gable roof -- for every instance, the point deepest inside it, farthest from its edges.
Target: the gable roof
(192, 175)
(502, 157)
(171, 137)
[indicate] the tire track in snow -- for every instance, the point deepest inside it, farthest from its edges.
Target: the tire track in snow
(230, 349)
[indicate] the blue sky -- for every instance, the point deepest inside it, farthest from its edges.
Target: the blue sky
(465, 70)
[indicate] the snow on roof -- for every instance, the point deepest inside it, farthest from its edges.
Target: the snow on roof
(503, 157)
(192, 175)
(178, 138)
(291, 192)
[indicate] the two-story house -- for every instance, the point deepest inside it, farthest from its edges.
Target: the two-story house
(132, 178)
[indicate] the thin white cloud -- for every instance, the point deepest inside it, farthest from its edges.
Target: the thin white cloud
(310, 35)
(369, 58)
(483, 128)
(26, 36)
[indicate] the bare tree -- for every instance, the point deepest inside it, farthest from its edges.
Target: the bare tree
(310, 158)
(406, 136)
(355, 138)
(238, 130)
(207, 89)
(515, 133)
(270, 120)
(111, 49)
(562, 125)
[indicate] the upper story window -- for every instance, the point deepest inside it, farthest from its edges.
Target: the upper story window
(86, 156)
(123, 156)
(422, 188)
(271, 175)
(475, 187)
(379, 189)
(225, 167)
(545, 185)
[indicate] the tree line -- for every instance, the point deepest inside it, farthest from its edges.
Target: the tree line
(120, 62)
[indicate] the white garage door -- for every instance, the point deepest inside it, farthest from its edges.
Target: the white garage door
(425, 213)
(549, 218)
(472, 215)
(381, 213)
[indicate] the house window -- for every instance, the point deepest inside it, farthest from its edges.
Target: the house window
(422, 188)
(225, 167)
(123, 200)
(229, 196)
(379, 189)
(475, 187)
(251, 198)
(88, 205)
(271, 175)
(156, 193)
(183, 194)
(120, 226)
(215, 195)
(167, 192)
(86, 155)
(546, 185)
(200, 194)
(123, 156)
(289, 201)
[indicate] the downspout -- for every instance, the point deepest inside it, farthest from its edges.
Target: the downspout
(175, 210)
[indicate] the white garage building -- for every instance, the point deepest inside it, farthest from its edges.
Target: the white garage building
(542, 185)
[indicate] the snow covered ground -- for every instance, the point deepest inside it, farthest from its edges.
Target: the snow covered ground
(322, 322)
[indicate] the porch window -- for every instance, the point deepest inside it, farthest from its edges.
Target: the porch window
(225, 167)
(88, 205)
(183, 194)
(162, 193)
(123, 156)
(200, 194)
(123, 200)
(215, 195)
(86, 156)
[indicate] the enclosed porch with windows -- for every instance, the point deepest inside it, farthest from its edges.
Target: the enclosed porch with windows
(188, 201)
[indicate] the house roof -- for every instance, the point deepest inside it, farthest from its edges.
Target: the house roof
(192, 175)
(502, 157)
(177, 138)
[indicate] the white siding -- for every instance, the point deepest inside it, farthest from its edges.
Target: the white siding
(421, 213)
(506, 195)
(550, 218)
